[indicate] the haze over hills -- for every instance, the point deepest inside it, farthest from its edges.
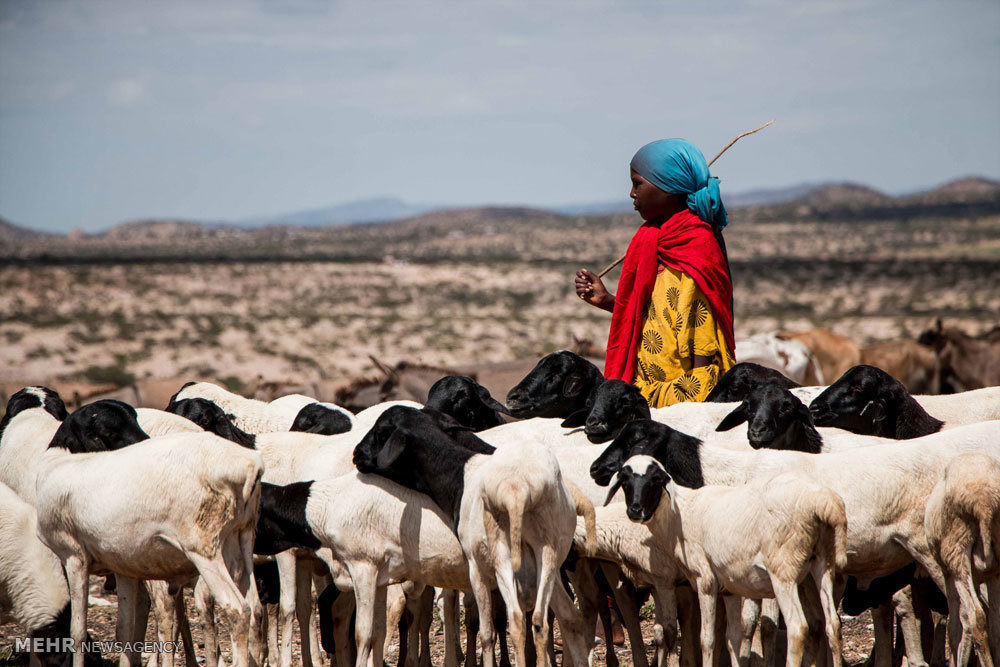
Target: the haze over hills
(974, 195)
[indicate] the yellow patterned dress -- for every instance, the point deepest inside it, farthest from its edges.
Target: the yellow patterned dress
(678, 325)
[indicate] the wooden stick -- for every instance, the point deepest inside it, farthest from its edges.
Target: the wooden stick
(622, 258)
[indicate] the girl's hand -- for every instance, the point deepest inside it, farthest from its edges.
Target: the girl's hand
(590, 288)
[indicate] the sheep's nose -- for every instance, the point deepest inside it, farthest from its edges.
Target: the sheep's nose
(599, 425)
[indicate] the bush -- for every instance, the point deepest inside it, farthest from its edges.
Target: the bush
(116, 375)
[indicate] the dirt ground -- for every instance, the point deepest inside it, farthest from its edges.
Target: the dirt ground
(856, 632)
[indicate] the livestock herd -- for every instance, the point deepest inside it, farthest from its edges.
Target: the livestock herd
(855, 495)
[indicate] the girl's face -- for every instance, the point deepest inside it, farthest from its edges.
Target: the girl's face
(652, 203)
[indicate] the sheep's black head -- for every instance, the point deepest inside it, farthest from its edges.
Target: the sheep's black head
(615, 403)
(98, 427)
(776, 419)
(643, 481)
(742, 378)
(861, 400)
(638, 437)
(174, 398)
(556, 387)
(212, 418)
(467, 401)
(55, 634)
(318, 418)
(33, 397)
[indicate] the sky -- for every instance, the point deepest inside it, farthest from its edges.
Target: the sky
(115, 110)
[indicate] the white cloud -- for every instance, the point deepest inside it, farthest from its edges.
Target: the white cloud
(126, 91)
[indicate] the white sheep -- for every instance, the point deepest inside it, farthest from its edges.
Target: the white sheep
(33, 589)
(248, 414)
(755, 541)
(884, 488)
(500, 504)
(33, 416)
(962, 521)
(166, 508)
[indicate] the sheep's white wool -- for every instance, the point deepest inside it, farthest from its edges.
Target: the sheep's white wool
(32, 584)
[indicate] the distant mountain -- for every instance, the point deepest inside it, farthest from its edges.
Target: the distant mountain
(761, 197)
(378, 209)
(960, 190)
(11, 233)
(479, 214)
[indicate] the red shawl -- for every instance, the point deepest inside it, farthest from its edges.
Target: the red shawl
(683, 242)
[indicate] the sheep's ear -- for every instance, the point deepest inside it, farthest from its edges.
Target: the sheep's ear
(490, 402)
(607, 464)
(576, 420)
(391, 450)
(67, 436)
(616, 483)
(573, 385)
(733, 419)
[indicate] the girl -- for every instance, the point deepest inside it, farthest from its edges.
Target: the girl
(672, 319)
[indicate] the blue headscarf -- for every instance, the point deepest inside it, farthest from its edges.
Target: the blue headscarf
(678, 167)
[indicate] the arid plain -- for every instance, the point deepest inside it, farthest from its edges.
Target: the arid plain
(178, 300)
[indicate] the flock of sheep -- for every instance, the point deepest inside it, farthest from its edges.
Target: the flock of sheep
(853, 494)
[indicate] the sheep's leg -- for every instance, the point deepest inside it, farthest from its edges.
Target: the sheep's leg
(500, 629)
(689, 615)
(665, 626)
(396, 617)
(882, 623)
(749, 615)
(628, 603)
(165, 611)
(343, 609)
(77, 576)
(487, 637)
(232, 600)
(973, 618)
(206, 609)
(449, 619)
(706, 603)
(319, 583)
(734, 628)
(768, 624)
(548, 581)
(822, 576)
(378, 627)
(993, 616)
(593, 603)
(471, 628)
(787, 595)
(239, 562)
(128, 594)
(515, 616)
(570, 623)
(365, 580)
(287, 567)
(184, 626)
(271, 622)
(425, 616)
(902, 604)
(303, 612)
